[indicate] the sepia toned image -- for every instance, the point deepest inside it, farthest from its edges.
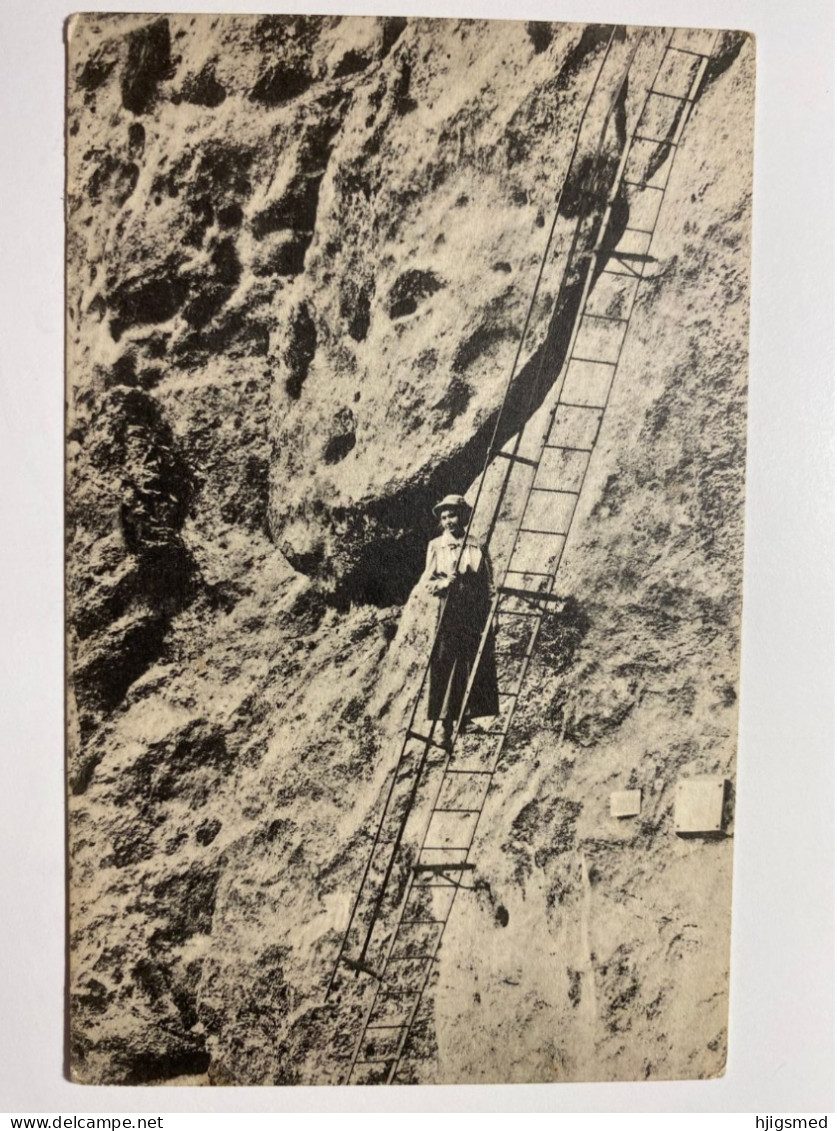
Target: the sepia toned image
(406, 428)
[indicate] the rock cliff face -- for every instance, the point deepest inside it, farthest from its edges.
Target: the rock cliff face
(301, 252)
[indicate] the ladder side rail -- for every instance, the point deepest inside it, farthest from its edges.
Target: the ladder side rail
(402, 908)
(377, 840)
(568, 264)
(589, 280)
(677, 127)
(602, 225)
(552, 580)
(418, 697)
(414, 1010)
(541, 269)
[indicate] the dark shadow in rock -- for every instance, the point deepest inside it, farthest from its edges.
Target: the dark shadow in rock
(151, 297)
(286, 260)
(123, 371)
(148, 1068)
(562, 634)
(342, 438)
(235, 333)
(453, 403)
(295, 211)
(230, 216)
(351, 63)
(248, 505)
(112, 178)
(403, 103)
(136, 139)
(410, 289)
(203, 89)
(280, 84)
(355, 307)
(96, 70)
(185, 902)
(224, 167)
(594, 38)
(541, 34)
(393, 27)
(727, 51)
(478, 343)
(102, 678)
(148, 63)
(207, 832)
(300, 350)
(216, 285)
(121, 620)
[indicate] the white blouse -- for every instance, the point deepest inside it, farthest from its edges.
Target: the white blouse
(442, 555)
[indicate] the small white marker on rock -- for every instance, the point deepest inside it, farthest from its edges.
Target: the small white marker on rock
(699, 806)
(626, 803)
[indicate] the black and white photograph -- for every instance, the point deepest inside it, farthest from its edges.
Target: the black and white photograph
(406, 431)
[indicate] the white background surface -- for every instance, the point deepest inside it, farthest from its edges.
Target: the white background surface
(781, 1033)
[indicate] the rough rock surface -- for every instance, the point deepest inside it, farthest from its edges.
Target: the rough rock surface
(301, 252)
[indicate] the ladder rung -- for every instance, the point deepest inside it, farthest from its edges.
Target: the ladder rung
(512, 592)
(570, 404)
(414, 922)
(644, 232)
(534, 572)
(546, 533)
(516, 458)
(361, 968)
(444, 809)
(557, 448)
(411, 958)
(686, 51)
(482, 773)
(440, 869)
(644, 184)
(632, 256)
(374, 1026)
(665, 94)
(655, 140)
(594, 360)
(425, 738)
(555, 491)
(609, 317)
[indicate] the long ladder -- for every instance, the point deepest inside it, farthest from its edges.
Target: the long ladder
(421, 895)
(419, 742)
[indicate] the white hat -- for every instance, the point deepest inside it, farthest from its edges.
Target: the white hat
(452, 502)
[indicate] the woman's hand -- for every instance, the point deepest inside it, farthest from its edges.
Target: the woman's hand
(439, 584)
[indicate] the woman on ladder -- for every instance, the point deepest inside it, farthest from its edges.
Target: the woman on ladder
(458, 572)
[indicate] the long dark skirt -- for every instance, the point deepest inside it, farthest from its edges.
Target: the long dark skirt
(457, 643)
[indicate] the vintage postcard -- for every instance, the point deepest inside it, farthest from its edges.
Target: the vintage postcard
(406, 380)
